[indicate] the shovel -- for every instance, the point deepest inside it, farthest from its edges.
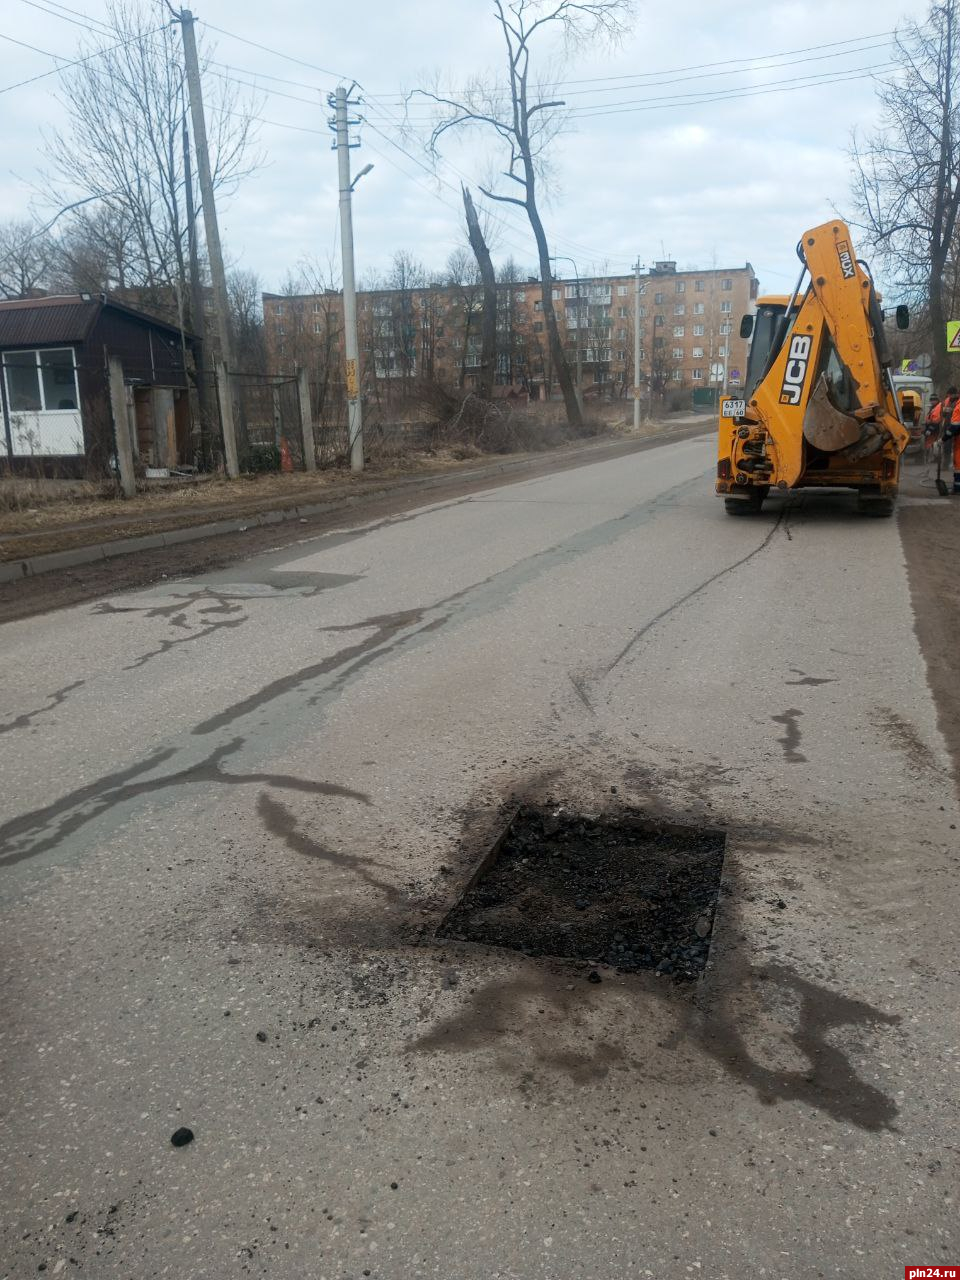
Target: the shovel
(942, 488)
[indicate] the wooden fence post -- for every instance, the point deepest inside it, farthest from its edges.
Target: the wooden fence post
(121, 428)
(306, 421)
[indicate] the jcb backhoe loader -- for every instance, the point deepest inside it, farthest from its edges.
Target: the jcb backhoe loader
(819, 407)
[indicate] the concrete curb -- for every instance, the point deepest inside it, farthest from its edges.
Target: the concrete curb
(31, 566)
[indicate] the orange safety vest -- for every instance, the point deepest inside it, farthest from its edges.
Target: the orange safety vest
(955, 414)
(935, 414)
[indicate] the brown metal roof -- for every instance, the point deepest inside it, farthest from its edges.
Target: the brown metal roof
(29, 322)
(40, 321)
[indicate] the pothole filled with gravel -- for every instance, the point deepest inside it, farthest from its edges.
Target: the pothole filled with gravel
(620, 891)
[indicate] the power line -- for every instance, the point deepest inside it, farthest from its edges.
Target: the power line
(705, 66)
(231, 35)
(77, 14)
(726, 95)
(86, 23)
(65, 65)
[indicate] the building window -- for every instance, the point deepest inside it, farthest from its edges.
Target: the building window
(557, 295)
(698, 353)
(623, 312)
(317, 308)
(538, 305)
(317, 327)
(280, 349)
(700, 286)
(658, 322)
(280, 330)
(278, 309)
(679, 309)
(697, 374)
(621, 334)
(658, 297)
(677, 375)
(698, 330)
(658, 344)
(726, 328)
(678, 353)
(621, 356)
(40, 381)
(538, 326)
(726, 307)
(621, 290)
(643, 290)
(726, 285)
(521, 295)
(678, 330)
(699, 309)
(721, 350)
(681, 286)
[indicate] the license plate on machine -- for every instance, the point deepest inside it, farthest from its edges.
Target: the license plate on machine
(733, 408)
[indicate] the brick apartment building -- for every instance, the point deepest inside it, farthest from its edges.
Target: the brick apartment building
(689, 321)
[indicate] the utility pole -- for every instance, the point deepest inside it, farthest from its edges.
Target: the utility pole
(196, 300)
(341, 126)
(636, 348)
(211, 230)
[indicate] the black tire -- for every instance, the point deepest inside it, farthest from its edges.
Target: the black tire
(872, 504)
(749, 506)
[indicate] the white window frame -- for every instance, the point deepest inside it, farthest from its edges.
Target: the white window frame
(679, 330)
(37, 352)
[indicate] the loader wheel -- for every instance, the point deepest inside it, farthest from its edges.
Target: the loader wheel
(748, 506)
(872, 504)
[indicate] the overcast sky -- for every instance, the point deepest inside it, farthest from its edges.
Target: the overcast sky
(705, 182)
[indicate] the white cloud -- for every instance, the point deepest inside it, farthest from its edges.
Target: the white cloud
(727, 181)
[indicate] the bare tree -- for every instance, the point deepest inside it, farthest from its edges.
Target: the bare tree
(246, 320)
(96, 253)
(524, 119)
(463, 282)
(907, 181)
(27, 259)
(124, 144)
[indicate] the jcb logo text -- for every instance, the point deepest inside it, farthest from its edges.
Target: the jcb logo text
(846, 260)
(796, 370)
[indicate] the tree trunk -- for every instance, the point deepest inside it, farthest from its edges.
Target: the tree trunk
(488, 320)
(944, 368)
(558, 357)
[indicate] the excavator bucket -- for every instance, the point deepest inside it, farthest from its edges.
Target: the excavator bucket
(824, 425)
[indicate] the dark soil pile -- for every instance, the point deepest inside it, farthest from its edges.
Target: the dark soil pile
(621, 892)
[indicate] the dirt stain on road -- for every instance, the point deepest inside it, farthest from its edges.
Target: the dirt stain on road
(53, 701)
(791, 737)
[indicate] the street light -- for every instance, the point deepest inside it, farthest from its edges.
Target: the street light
(59, 214)
(561, 257)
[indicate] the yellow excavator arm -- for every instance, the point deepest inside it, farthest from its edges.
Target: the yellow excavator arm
(820, 407)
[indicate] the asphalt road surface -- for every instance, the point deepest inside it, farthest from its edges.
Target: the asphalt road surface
(236, 808)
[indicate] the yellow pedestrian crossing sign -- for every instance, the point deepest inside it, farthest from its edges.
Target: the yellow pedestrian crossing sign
(953, 335)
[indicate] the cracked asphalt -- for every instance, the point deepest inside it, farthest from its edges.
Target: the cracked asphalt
(236, 807)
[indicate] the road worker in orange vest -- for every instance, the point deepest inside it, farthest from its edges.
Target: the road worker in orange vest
(951, 431)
